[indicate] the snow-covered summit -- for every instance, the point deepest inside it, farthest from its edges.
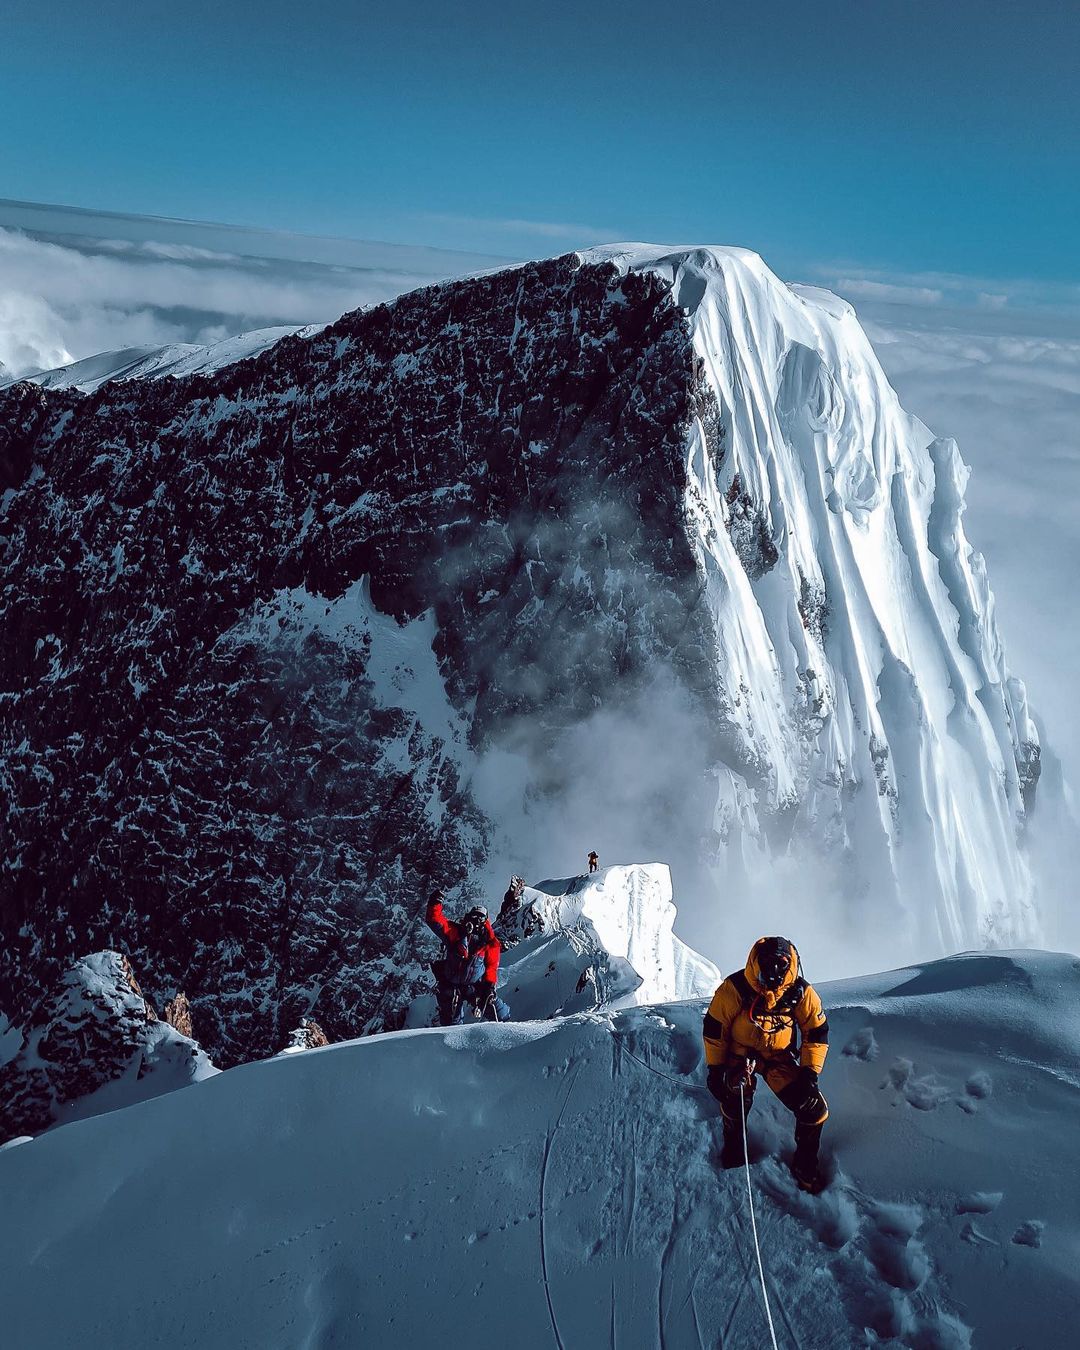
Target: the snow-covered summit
(868, 688)
(618, 923)
(591, 942)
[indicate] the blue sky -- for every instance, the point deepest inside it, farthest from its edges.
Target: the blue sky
(907, 136)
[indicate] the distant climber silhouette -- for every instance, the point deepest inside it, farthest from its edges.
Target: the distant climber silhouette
(594, 862)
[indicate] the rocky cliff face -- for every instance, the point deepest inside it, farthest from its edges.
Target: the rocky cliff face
(196, 756)
(272, 636)
(93, 1042)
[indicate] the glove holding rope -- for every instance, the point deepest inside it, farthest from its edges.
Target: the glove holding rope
(484, 993)
(739, 1075)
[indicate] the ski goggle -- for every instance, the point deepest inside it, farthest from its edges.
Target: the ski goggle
(772, 976)
(773, 957)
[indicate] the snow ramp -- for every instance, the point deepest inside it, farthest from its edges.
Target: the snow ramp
(555, 1184)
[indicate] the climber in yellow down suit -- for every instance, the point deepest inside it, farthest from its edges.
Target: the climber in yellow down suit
(766, 1019)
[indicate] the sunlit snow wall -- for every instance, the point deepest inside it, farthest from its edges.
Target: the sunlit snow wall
(865, 781)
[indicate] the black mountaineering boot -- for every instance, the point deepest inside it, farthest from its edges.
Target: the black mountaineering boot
(733, 1152)
(804, 1165)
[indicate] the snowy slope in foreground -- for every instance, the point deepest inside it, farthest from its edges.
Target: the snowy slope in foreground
(552, 1183)
(151, 363)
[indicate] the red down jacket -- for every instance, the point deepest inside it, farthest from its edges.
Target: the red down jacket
(466, 962)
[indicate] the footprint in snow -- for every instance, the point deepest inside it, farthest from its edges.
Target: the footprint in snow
(979, 1085)
(925, 1093)
(863, 1045)
(977, 1088)
(832, 1216)
(981, 1202)
(900, 1071)
(1029, 1234)
(662, 1046)
(883, 1271)
(971, 1235)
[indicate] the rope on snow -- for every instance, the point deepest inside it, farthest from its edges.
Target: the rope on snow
(694, 1087)
(753, 1219)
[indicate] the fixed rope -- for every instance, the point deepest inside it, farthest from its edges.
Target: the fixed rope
(693, 1087)
(753, 1219)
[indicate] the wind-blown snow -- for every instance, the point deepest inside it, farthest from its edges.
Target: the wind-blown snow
(554, 1183)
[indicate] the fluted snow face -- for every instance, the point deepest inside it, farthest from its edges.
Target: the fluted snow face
(865, 681)
(612, 938)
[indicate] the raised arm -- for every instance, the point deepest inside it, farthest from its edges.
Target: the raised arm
(437, 921)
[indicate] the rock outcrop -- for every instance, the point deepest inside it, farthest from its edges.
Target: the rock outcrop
(93, 1043)
(307, 1036)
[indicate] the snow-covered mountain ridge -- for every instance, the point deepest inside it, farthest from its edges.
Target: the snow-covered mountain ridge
(849, 610)
(593, 943)
(94, 1044)
(153, 363)
(635, 544)
(601, 941)
(556, 1181)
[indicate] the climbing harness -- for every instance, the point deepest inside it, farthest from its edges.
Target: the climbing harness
(753, 1219)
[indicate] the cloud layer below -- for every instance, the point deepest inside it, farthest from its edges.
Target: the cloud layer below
(1013, 404)
(75, 283)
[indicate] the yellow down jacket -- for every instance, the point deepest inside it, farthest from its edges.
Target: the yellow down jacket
(745, 1019)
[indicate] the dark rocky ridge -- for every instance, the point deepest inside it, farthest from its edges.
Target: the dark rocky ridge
(92, 1030)
(247, 816)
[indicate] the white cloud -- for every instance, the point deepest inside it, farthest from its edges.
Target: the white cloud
(62, 302)
(1047, 304)
(1013, 404)
(543, 229)
(67, 295)
(888, 291)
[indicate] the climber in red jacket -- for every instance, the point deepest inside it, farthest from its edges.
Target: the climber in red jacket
(467, 974)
